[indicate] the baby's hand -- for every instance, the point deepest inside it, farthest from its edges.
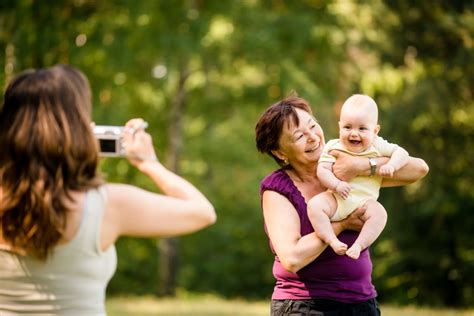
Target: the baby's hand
(343, 188)
(387, 170)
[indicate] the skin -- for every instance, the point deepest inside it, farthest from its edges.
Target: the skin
(131, 211)
(302, 146)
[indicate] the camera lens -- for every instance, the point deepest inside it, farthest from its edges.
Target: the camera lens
(107, 145)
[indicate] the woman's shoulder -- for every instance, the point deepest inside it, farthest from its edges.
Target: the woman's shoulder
(277, 181)
(274, 177)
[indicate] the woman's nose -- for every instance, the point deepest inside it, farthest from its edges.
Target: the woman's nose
(313, 136)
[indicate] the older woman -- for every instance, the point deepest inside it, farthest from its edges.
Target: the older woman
(310, 279)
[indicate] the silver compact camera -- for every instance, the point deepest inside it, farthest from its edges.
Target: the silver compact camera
(110, 140)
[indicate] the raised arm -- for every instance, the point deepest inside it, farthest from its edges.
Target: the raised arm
(347, 167)
(132, 211)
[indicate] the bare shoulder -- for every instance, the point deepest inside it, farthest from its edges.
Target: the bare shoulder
(275, 203)
(270, 195)
(118, 193)
(118, 196)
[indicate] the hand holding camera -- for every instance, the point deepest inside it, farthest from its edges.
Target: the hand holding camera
(130, 141)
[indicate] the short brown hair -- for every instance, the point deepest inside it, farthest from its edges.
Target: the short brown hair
(47, 151)
(270, 125)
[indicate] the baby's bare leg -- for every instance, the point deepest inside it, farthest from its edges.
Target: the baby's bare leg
(375, 219)
(320, 209)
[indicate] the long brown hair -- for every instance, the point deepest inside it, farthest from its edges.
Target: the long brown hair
(47, 150)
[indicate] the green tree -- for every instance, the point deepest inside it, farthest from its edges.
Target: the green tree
(425, 84)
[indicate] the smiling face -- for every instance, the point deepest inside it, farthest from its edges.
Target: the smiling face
(301, 144)
(358, 123)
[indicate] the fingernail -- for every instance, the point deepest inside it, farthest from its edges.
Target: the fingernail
(130, 130)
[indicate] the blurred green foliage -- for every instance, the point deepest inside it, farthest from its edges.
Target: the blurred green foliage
(415, 59)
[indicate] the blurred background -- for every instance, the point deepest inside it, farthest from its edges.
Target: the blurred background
(202, 71)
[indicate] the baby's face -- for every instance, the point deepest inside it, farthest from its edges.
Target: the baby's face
(357, 129)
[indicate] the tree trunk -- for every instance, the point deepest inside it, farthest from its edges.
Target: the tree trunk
(168, 247)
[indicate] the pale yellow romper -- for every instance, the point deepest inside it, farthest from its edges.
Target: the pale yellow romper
(363, 188)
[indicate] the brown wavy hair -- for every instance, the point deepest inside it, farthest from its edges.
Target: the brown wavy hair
(47, 151)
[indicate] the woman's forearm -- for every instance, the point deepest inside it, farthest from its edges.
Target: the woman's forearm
(348, 167)
(308, 248)
(414, 170)
(399, 158)
(170, 183)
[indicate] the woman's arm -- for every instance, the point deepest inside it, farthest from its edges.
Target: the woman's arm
(414, 170)
(180, 210)
(283, 228)
(348, 167)
(131, 211)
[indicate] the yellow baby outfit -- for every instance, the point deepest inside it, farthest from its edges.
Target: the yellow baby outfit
(363, 188)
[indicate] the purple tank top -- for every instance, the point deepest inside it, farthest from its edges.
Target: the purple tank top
(329, 276)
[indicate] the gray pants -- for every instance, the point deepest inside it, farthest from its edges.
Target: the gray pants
(320, 307)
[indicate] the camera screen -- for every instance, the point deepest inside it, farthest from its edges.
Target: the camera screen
(107, 145)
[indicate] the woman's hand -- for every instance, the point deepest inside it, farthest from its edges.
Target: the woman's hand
(348, 167)
(138, 143)
(354, 221)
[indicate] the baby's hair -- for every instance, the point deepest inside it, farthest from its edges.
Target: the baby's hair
(362, 101)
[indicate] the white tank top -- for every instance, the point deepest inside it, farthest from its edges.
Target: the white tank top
(71, 282)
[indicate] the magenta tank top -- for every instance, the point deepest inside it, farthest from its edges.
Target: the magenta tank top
(329, 276)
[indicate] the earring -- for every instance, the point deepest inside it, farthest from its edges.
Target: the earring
(286, 162)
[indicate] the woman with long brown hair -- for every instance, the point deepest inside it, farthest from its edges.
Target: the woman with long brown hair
(59, 220)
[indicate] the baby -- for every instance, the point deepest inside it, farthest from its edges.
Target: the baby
(358, 131)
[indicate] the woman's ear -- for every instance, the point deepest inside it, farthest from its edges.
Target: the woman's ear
(278, 154)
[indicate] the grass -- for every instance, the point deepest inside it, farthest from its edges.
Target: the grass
(211, 305)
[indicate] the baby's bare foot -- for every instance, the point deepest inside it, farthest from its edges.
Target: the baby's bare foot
(354, 251)
(339, 247)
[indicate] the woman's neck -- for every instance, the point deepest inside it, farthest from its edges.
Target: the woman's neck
(303, 174)
(306, 180)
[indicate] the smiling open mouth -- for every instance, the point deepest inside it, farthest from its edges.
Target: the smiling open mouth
(355, 142)
(312, 149)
